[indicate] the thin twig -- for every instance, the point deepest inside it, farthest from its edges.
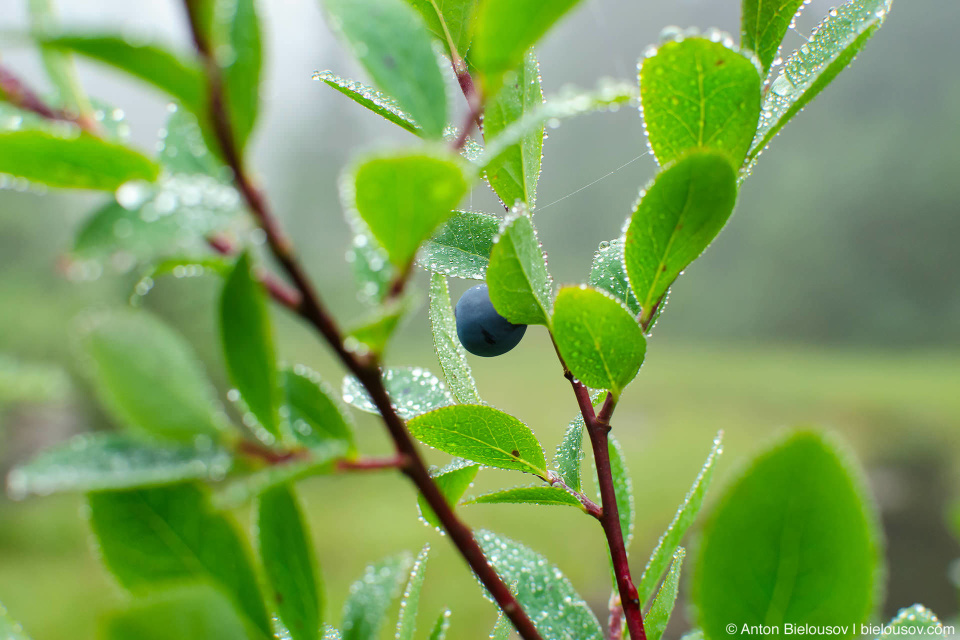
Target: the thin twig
(589, 506)
(254, 449)
(598, 428)
(273, 457)
(473, 118)
(20, 95)
(372, 464)
(366, 371)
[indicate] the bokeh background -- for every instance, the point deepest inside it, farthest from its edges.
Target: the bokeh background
(830, 299)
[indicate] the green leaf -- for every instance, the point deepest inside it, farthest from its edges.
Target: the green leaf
(535, 494)
(448, 17)
(313, 413)
(248, 346)
(503, 628)
(659, 614)
(569, 455)
(179, 267)
(181, 79)
(763, 26)
(370, 98)
(670, 540)
(392, 43)
(238, 47)
(521, 289)
(462, 246)
(832, 47)
(157, 218)
(149, 378)
(183, 148)
(289, 562)
(441, 626)
(412, 390)
(598, 338)
(610, 274)
(152, 219)
(191, 612)
(72, 160)
(674, 221)
(372, 334)
(609, 96)
(697, 93)
(514, 174)
(366, 607)
(793, 540)
(148, 537)
(97, 461)
(371, 268)
(482, 434)
(10, 629)
(331, 633)
(453, 481)
(913, 623)
(505, 29)
(561, 613)
(622, 489)
(452, 355)
(410, 604)
(403, 197)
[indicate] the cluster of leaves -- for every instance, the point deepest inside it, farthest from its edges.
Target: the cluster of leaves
(774, 550)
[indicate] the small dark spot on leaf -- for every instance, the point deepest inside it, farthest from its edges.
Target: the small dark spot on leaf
(390, 62)
(278, 597)
(515, 453)
(721, 62)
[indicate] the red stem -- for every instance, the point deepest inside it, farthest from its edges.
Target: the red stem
(22, 96)
(598, 428)
(270, 456)
(366, 371)
(372, 464)
(278, 290)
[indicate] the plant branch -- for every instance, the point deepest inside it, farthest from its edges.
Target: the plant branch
(367, 371)
(373, 464)
(20, 95)
(273, 457)
(598, 428)
(255, 449)
(590, 507)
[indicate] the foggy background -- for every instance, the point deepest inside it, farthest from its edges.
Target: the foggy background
(831, 298)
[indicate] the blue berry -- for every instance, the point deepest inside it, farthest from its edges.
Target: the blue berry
(483, 331)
